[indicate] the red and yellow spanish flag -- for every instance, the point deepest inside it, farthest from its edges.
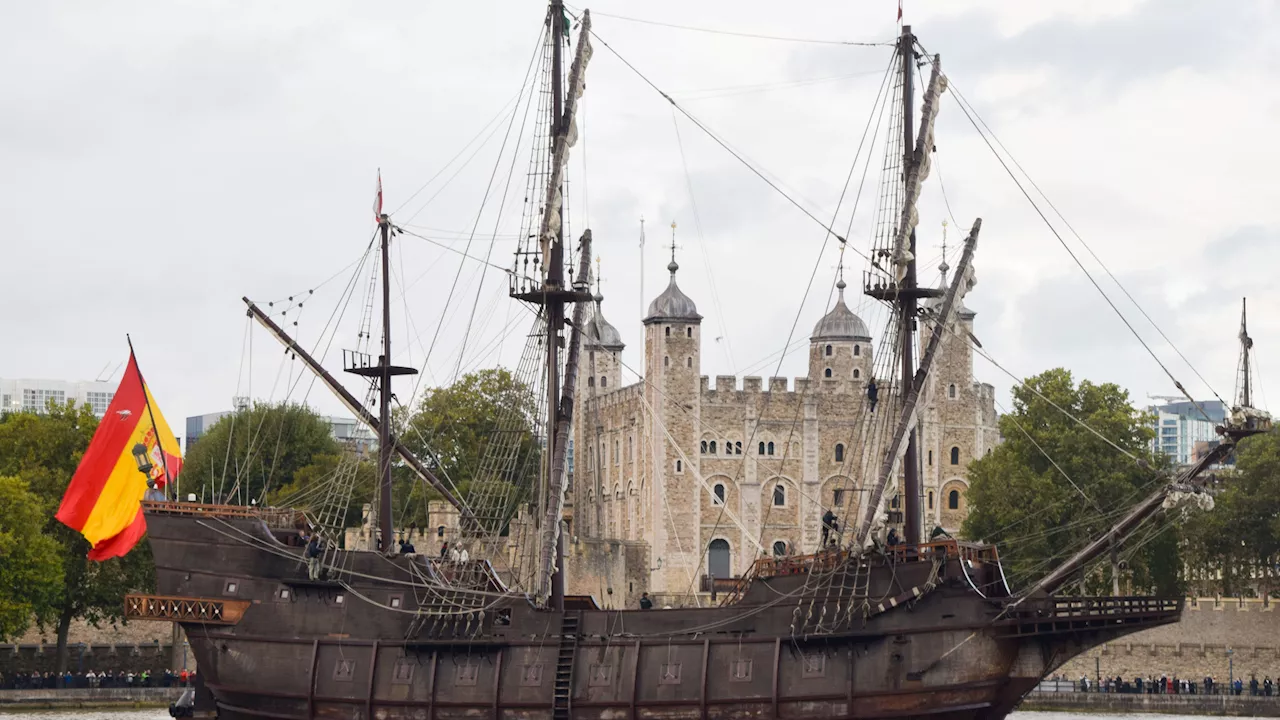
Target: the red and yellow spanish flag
(104, 498)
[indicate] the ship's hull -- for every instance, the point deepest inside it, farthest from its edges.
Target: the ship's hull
(377, 645)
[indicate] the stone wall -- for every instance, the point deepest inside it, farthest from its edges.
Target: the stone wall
(1215, 637)
(98, 657)
(1127, 704)
(614, 572)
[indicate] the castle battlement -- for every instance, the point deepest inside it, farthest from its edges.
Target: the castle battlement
(726, 389)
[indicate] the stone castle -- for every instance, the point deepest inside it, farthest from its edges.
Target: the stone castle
(709, 478)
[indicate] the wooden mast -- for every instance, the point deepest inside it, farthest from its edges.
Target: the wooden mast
(907, 298)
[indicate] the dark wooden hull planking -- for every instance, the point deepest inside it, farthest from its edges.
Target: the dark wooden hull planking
(360, 649)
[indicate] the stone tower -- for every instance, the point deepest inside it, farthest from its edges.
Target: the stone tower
(599, 373)
(672, 338)
(840, 346)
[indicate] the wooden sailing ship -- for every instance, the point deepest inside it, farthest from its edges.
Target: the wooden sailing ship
(862, 630)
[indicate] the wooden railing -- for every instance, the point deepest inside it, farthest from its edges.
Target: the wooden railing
(1052, 615)
(719, 585)
(173, 608)
(274, 517)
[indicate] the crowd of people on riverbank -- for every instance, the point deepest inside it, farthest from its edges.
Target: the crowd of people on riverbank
(1166, 685)
(35, 680)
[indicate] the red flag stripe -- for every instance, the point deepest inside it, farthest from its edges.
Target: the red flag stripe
(120, 544)
(108, 444)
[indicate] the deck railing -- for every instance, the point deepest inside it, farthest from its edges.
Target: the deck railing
(274, 517)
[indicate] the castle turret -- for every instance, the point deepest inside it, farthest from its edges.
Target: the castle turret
(604, 347)
(672, 336)
(840, 346)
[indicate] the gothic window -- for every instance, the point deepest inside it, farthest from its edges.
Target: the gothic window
(728, 448)
(712, 447)
(856, 374)
(779, 496)
(617, 456)
(896, 502)
(704, 447)
(837, 498)
(826, 373)
(930, 499)
(668, 331)
(953, 500)
(779, 548)
(440, 531)
(769, 448)
(955, 456)
(688, 362)
(839, 452)
(951, 391)
(666, 362)
(719, 493)
(761, 451)
(857, 350)
(930, 458)
(737, 448)
(688, 332)
(828, 351)
(679, 466)
(604, 381)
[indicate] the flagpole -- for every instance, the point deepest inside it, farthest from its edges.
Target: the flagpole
(146, 397)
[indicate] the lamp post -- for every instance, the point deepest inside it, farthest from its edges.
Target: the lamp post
(141, 458)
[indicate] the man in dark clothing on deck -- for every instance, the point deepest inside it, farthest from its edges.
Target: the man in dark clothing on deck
(830, 526)
(893, 537)
(645, 602)
(872, 393)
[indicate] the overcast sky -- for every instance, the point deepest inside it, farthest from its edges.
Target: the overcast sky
(160, 160)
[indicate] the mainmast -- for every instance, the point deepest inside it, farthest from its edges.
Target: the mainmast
(907, 309)
(1244, 396)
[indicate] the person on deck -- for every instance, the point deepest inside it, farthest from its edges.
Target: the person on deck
(444, 551)
(829, 526)
(645, 602)
(893, 537)
(406, 548)
(315, 549)
(872, 393)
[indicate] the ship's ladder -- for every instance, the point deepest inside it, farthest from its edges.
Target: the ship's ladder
(563, 689)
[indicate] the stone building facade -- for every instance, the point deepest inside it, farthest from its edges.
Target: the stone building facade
(712, 476)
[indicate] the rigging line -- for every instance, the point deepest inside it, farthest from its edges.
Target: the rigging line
(702, 242)
(1062, 241)
(506, 189)
(740, 158)
(881, 99)
(733, 33)
(433, 241)
(335, 317)
(938, 168)
(495, 119)
(312, 289)
(1048, 457)
(735, 90)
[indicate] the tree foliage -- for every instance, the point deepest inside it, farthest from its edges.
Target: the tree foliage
(1235, 548)
(30, 568)
(43, 450)
(254, 451)
(1040, 514)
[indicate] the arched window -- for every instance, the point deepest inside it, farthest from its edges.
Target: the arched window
(930, 499)
(704, 447)
(666, 362)
(688, 332)
(779, 495)
(856, 374)
(896, 502)
(668, 331)
(769, 448)
(826, 373)
(617, 454)
(679, 466)
(953, 500)
(839, 452)
(955, 456)
(779, 549)
(688, 362)
(719, 494)
(951, 391)
(718, 558)
(930, 458)
(837, 498)
(604, 381)
(440, 531)
(712, 447)
(591, 381)
(857, 350)
(761, 450)
(828, 351)
(737, 448)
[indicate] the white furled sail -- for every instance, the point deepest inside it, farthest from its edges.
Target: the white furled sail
(920, 170)
(563, 141)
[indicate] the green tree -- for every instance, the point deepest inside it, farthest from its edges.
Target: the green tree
(44, 451)
(30, 571)
(254, 451)
(453, 428)
(1237, 544)
(1039, 513)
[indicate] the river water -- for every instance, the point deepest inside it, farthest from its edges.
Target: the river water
(164, 715)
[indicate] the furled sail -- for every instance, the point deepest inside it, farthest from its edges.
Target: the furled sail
(920, 170)
(563, 141)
